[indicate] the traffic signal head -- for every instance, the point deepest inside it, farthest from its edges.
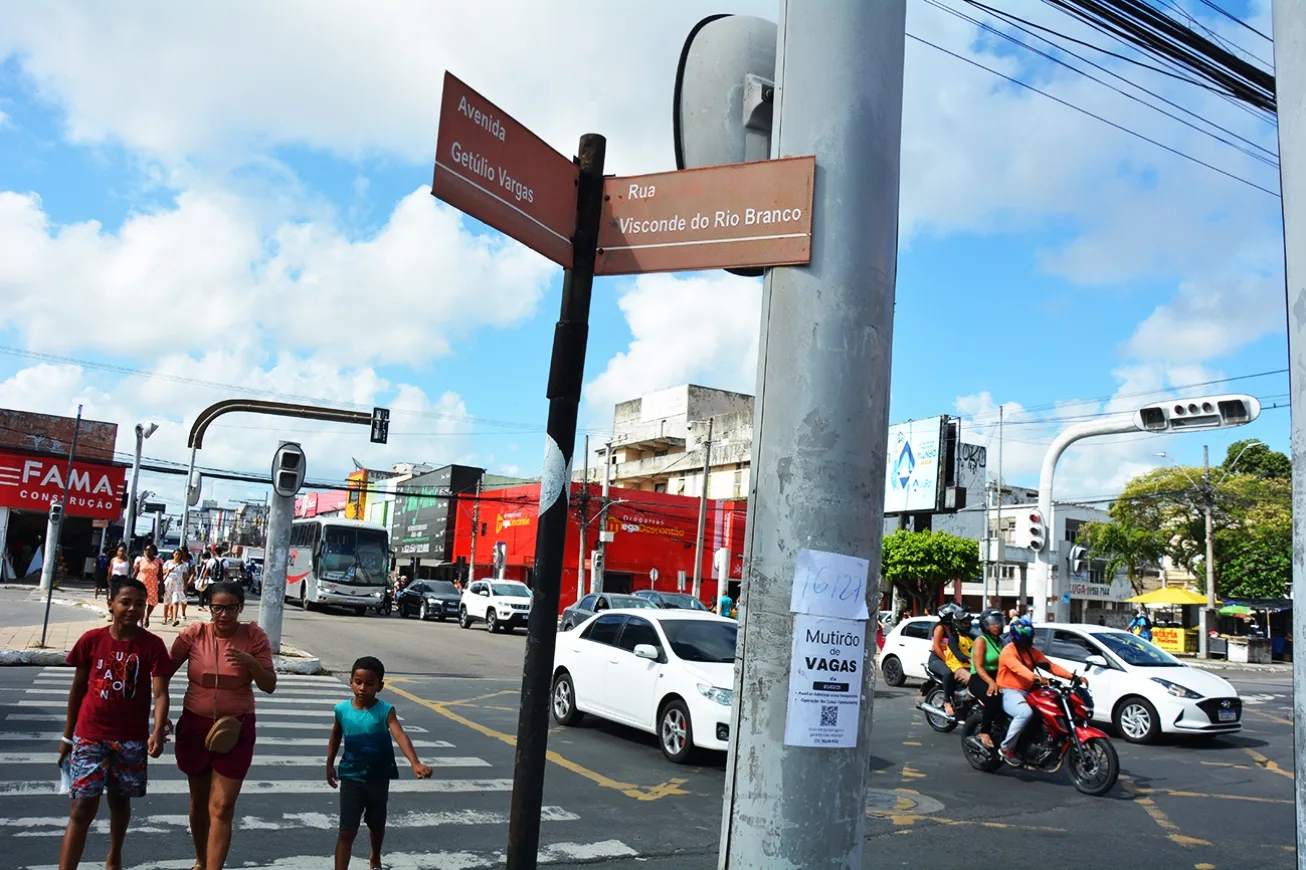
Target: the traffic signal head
(1210, 412)
(1078, 560)
(288, 468)
(1037, 531)
(193, 489)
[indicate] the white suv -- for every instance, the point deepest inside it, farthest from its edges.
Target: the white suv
(500, 604)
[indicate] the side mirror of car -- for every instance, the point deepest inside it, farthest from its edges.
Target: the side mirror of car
(1096, 661)
(484, 592)
(647, 651)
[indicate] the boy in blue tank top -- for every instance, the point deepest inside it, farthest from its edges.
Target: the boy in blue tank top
(366, 724)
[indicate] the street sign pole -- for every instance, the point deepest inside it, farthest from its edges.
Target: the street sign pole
(566, 373)
(821, 439)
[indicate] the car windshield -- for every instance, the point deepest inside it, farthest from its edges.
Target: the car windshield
(629, 601)
(701, 640)
(511, 590)
(1136, 651)
(681, 601)
(359, 554)
(441, 587)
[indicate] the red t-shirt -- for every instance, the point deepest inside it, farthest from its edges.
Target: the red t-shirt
(118, 697)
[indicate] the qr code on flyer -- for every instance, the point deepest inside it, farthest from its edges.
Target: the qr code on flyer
(829, 716)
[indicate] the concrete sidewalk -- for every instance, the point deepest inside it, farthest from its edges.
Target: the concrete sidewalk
(21, 645)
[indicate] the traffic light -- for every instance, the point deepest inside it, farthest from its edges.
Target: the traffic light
(193, 489)
(1211, 412)
(288, 468)
(1035, 530)
(1078, 560)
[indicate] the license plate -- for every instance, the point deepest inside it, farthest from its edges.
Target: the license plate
(1228, 716)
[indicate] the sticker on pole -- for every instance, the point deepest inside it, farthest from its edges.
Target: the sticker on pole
(825, 682)
(830, 584)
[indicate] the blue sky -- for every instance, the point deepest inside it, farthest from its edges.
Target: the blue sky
(261, 223)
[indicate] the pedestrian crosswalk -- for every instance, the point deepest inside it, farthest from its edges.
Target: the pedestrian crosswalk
(287, 814)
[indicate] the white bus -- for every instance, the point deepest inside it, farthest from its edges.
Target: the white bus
(338, 562)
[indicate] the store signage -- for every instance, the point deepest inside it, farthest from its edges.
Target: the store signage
(717, 217)
(494, 169)
(36, 482)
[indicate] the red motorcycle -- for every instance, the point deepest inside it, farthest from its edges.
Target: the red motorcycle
(1058, 733)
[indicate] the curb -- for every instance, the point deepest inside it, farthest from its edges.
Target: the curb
(290, 661)
(1248, 667)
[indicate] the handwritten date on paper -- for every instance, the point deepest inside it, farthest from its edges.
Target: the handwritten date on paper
(830, 584)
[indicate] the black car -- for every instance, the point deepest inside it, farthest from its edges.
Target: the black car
(429, 598)
(673, 600)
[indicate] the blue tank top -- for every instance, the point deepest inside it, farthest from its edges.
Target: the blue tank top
(369, 753)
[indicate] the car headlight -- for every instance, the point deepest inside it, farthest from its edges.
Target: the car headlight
(1175, 689)
(724, 697)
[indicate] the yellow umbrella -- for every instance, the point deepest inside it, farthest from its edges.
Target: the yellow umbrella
(1168, 595)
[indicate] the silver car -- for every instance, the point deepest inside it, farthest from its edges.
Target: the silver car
(597, 603)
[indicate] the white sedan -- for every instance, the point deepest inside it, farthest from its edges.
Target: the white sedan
(1139, 688)
(667, 672)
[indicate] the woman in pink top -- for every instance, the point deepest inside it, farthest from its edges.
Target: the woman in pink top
(224, 660)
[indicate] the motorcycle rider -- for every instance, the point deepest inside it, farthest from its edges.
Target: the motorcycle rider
(983, 683)
(950, 650)
(1016, 676)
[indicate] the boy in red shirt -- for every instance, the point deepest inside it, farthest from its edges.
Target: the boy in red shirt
(108, 729)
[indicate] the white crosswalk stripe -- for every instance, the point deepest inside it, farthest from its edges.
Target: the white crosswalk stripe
(293, 726)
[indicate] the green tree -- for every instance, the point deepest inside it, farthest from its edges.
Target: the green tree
(1254, 458)
(1124, 545)
(919, 563)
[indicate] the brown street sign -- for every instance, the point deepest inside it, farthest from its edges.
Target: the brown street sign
(716, 217)
(491, 167)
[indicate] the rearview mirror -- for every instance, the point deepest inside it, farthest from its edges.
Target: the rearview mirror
(1096, 661)
(646, 651)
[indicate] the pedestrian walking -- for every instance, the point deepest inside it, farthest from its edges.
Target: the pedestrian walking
(107, 733)
(120, 567)
(149, 570)
(174, 589)
(210, 572)
(101, 575)
(367, 725)
(225, 659)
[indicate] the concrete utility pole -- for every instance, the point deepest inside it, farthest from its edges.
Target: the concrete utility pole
(143, 431)
(702, 516)
(288, 469)
(1290, 79)
(597, 569)
(1208, 502)
(476, 531)
(584, 520)
(54, 529)
(821, 427)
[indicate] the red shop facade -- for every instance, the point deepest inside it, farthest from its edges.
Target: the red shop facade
(30, 482)
(652, 539)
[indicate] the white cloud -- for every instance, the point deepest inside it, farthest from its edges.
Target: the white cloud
(1210, 319)
(399, 295)
(702, 329)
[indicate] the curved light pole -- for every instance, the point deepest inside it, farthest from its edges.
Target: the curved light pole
(1176, 415)
(143, 431)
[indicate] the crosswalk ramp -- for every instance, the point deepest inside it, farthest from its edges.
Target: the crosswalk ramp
(287, 814)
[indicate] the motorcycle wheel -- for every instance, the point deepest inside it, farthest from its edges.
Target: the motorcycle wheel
(1095, 772)
(978, 758)
(937, 698)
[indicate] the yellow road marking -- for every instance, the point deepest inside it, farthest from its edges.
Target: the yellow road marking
(1267, 764)
(905, 819)
(908, 772)
(1170, 792)
(1158, 815)
(1270, 716)
(911, 743)
(670, 787)
(1226, 764)
(1203, 867)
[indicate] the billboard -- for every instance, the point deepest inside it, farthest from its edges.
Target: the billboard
(914, 472)
(426, 510)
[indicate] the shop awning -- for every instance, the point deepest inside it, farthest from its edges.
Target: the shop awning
(1168, 595)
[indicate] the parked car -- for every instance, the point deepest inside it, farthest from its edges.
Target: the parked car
(429, 598)
(667, 672)
(672, 600)
(597, 603)
(1139, 688)
(906, 650)
(500, 604)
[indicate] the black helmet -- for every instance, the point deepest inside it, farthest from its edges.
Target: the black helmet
(951, 614)
(990, 618)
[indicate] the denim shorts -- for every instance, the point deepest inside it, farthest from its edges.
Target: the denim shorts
(116, 765)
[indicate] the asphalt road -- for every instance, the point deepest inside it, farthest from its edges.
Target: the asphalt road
(17, 608)
(1223, 803)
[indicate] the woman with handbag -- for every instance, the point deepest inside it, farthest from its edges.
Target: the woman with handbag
(224, 659)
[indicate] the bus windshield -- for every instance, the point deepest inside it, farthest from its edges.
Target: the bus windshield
(354, 556)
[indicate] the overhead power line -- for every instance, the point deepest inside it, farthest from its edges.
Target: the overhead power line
(1094, 115)
(1236, 20)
